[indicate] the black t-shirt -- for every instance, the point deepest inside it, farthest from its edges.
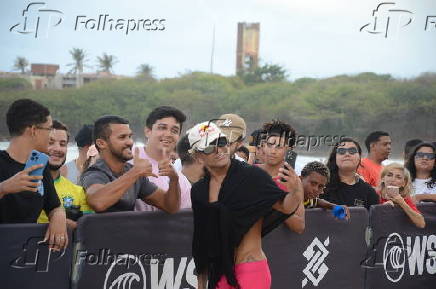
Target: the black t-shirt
(247, 194)
(360, 194)
(25, 207)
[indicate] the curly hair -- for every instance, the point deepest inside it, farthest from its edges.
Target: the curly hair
(316, 167)
(279, 128)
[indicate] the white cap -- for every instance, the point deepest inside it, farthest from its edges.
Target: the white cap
(202, 134)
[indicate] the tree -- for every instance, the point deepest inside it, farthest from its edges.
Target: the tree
(78, 56)
(20, 64)
(106, 62)
(263, 74)
(145, 72)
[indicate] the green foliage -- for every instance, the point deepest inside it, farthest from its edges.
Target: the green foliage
(263, 74)
(145, 72)
(14, 84)
(106, 62)
(21, 64)
(341, 105)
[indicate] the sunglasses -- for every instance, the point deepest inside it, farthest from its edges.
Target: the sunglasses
(212, 147)
(421, 155)
(343, 151)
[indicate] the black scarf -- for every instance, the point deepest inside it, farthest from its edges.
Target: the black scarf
(246, 195)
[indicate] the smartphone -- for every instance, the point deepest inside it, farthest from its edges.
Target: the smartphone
(36, 158)
(290, 158)
(391, 191)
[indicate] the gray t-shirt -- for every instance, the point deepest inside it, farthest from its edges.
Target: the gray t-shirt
(100, 173)
(73, 173)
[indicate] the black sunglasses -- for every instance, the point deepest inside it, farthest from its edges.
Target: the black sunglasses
(343, 151)
(212, 147)
(421, 155)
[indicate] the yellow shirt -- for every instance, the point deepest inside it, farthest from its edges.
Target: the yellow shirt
(69, 194)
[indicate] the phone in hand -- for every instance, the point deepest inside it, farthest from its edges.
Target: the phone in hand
(392, 191)
(290, 158)
(36, 158)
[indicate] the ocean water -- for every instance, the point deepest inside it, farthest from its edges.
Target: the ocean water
(302, 160)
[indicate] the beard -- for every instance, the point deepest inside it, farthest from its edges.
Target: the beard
(118, 154)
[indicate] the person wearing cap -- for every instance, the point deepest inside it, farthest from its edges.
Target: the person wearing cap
(234, 206)
(233, 126)
(74, 168)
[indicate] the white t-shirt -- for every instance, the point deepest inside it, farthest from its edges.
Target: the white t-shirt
(420, 187)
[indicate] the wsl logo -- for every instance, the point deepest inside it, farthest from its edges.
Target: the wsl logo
(394, 257)
(419, 256)
(125, 280)
(316, 269)
(161, 274)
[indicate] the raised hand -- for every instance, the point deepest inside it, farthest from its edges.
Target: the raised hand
(165, 166)
(291, 180)
(142, 165)
(21, 181)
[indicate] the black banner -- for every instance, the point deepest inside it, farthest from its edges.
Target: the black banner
(27, 262)
(400, 254)
(326, 255)
(134, 250)
(153, 250)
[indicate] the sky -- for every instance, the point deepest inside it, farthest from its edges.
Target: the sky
(309, 38)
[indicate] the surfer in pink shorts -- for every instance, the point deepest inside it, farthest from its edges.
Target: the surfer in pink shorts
(234, 206)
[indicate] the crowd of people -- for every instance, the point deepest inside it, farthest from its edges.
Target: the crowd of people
(239, 188)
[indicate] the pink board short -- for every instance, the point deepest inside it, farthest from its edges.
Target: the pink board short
(252, 275)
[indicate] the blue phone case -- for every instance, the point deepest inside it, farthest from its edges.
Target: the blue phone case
(36, 158)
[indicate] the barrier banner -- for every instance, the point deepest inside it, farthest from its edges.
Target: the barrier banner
(400, 254)
(27, 262)
(326, 255)
(133, 250)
